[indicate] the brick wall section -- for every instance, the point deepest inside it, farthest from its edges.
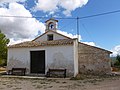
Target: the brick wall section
(93, 60)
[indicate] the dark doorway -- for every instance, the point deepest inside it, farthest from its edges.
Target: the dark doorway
(37, 62)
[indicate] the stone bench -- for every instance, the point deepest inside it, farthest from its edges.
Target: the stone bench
(18, 71)
(56, 73)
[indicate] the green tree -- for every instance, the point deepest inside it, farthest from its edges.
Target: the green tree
(118, 58)
(3, 49)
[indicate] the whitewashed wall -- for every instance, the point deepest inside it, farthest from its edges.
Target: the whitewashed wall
(18, 58)
(55, 36)
(75, 57)
(55, 57)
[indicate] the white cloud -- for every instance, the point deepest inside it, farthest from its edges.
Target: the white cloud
(71, 5)
(75, 36)
(67, 5)
(116, 51)
(19, 28)
(9, 1)
(47, 5)
(12, 41)
(90, 43)
(69, 34)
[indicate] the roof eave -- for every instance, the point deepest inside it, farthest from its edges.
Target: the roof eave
(98, 48)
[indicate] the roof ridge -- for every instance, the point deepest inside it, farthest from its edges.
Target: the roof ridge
(53, 32)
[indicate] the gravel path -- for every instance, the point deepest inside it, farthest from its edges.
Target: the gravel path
(7, 83)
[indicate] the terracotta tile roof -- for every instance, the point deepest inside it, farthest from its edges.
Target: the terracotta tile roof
(43, 43)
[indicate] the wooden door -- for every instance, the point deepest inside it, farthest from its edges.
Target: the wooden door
(38, 62)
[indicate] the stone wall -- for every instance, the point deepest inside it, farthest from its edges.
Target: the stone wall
(93, 60)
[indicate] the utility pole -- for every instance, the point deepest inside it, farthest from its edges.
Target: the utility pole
(77, 28)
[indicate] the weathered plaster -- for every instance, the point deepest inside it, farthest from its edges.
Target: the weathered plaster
(55, 57)
(13, 62)
(75, 46)
(58, 57)
(18, 58)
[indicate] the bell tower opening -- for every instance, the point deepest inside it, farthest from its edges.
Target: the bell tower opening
(51, 24)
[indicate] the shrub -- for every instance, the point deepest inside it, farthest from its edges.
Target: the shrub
(117, 63)
(118, 58)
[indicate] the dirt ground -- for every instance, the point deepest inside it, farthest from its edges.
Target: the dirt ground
(13, 83)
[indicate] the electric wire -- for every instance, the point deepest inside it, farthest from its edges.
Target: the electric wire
(86, 30)
(84, 17)
(76, 18)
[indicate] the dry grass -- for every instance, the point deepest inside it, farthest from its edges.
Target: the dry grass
(2, 69)
(115, 69)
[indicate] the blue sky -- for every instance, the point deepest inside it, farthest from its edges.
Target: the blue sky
(102, 31)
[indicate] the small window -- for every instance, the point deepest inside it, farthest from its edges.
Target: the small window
(50, 37)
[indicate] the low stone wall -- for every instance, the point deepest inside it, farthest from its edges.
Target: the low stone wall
(93, 60)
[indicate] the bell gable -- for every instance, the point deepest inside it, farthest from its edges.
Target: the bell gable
(51, 35)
